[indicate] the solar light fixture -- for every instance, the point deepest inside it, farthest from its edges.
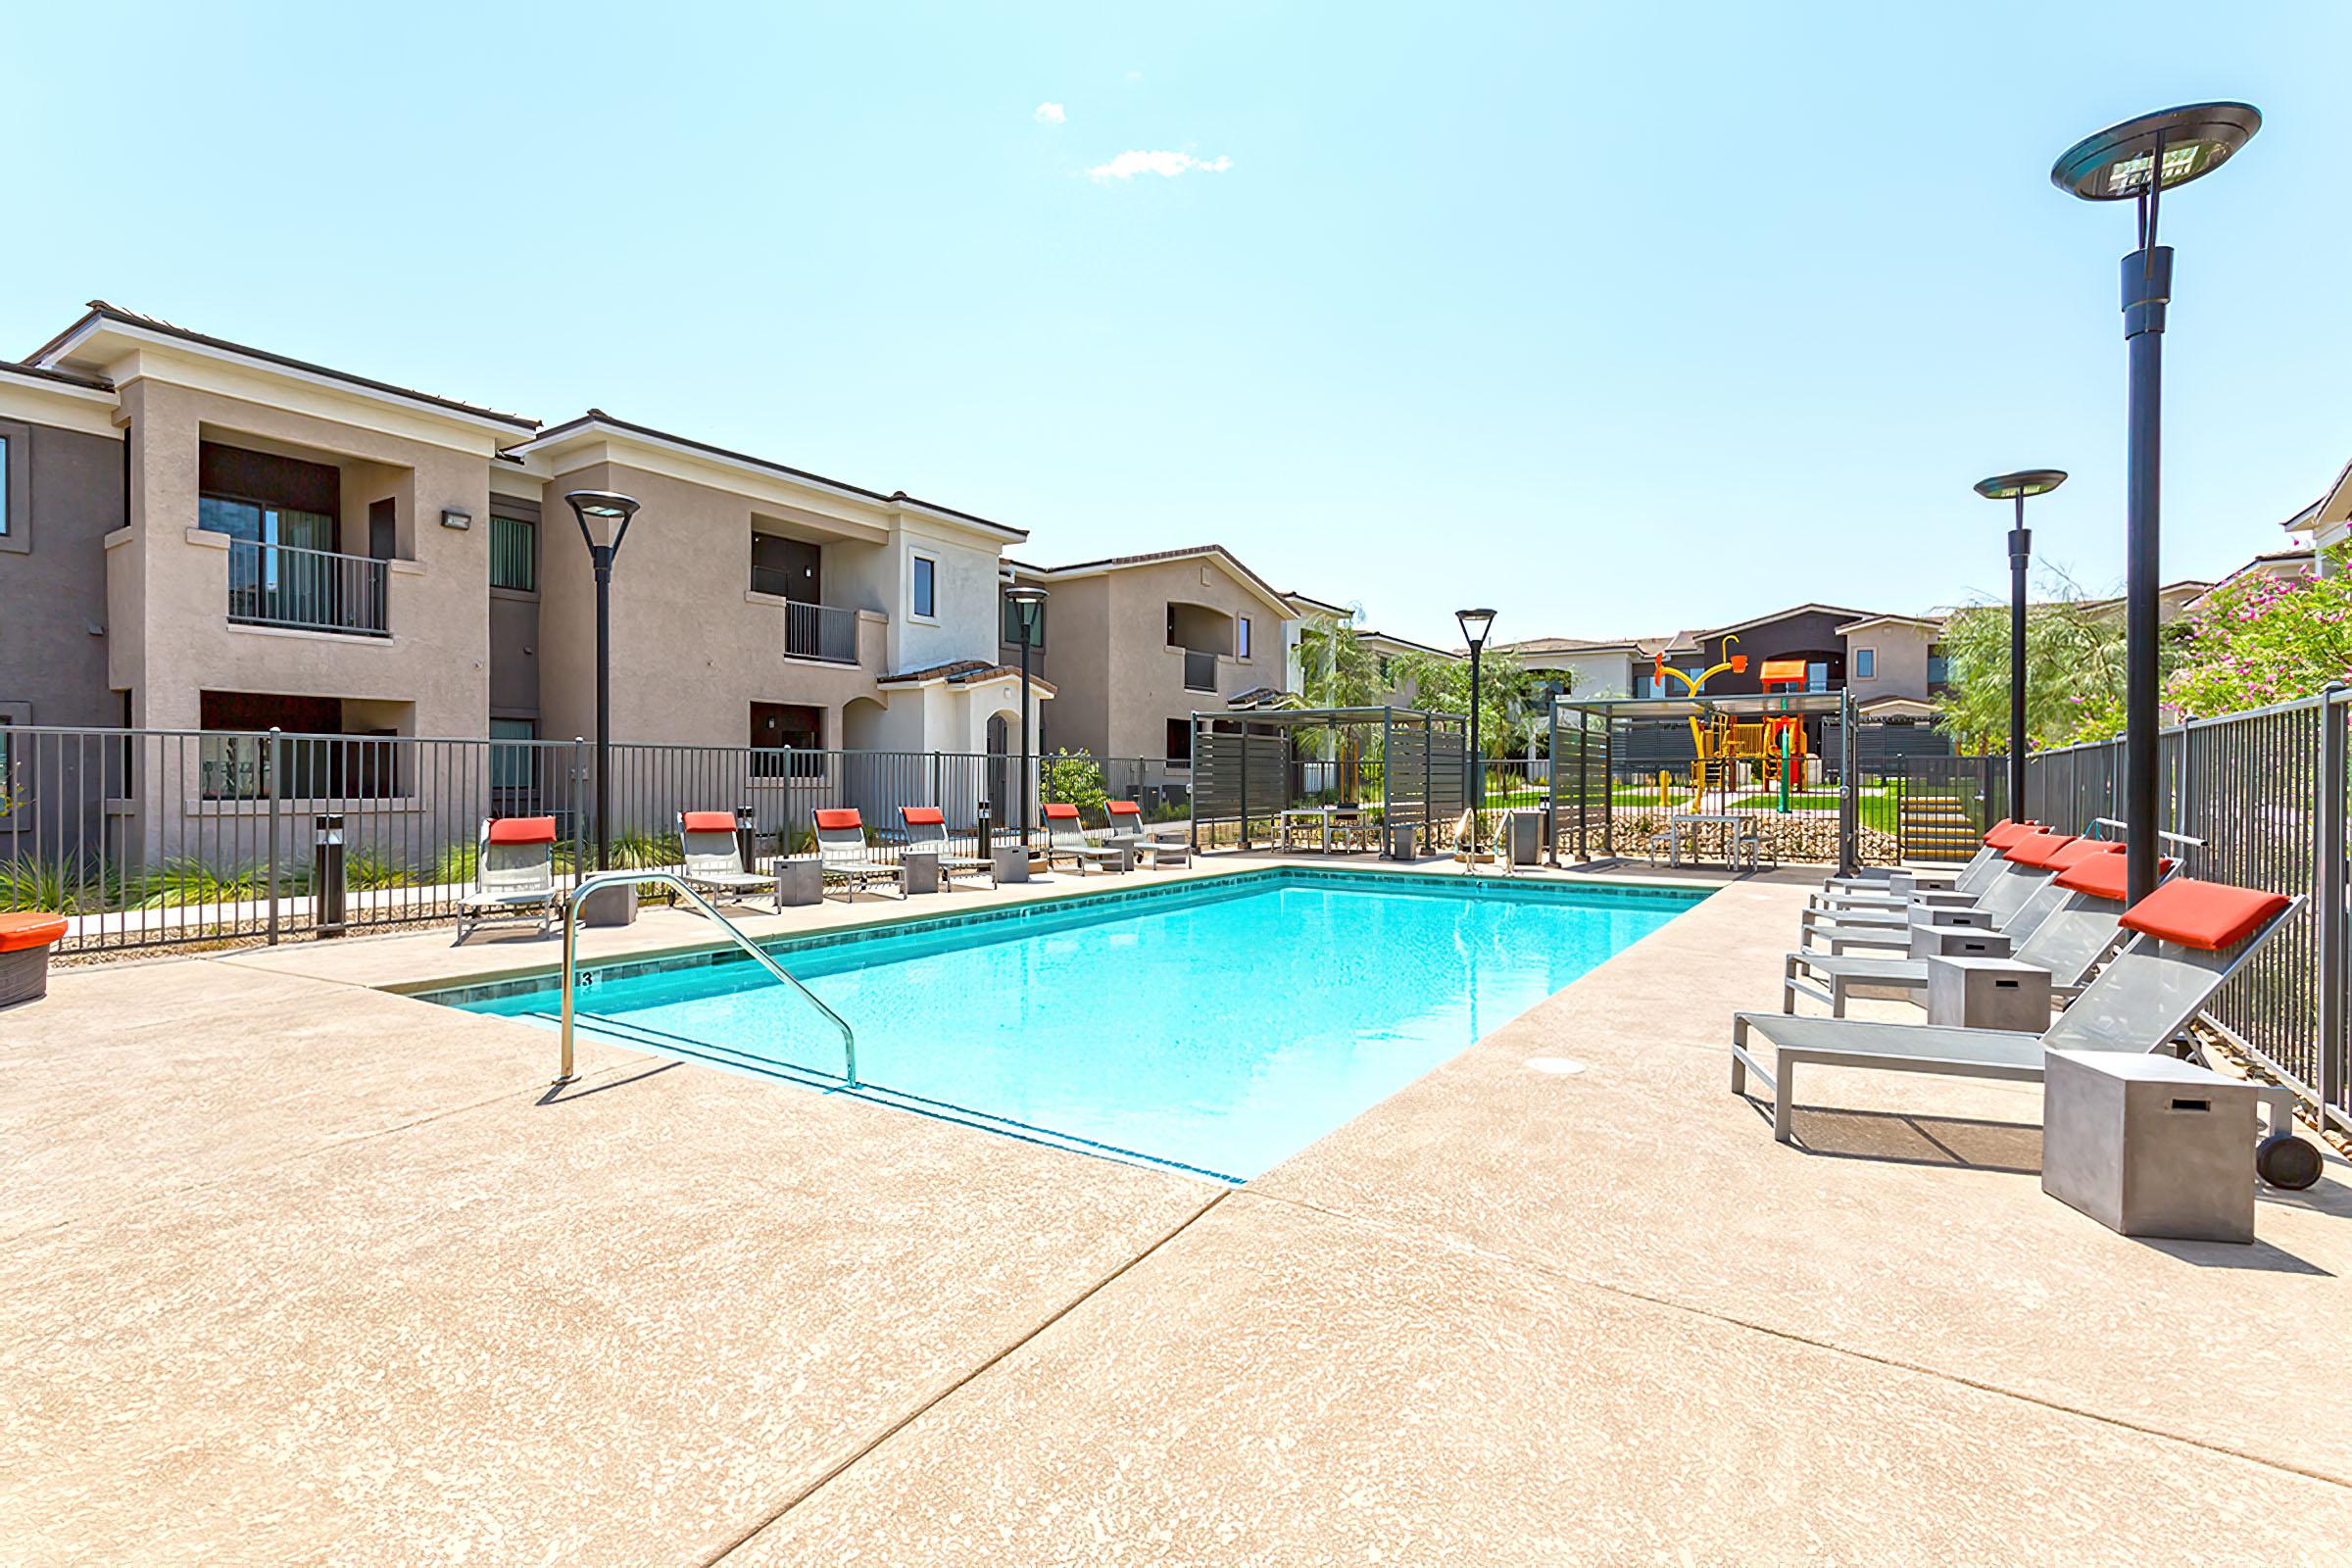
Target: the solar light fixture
(1475, 624)
(2015, 487)
(604, 519)
(1028, 603)
(2138, 161)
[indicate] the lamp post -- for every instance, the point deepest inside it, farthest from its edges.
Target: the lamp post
(1028, 604)
(603, 519)
(2016, 487)
(2137, 161)
(1475, 624)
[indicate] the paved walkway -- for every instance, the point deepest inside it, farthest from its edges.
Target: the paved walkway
(296, 1270)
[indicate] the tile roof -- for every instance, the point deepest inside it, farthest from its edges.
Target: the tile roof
(961, 672)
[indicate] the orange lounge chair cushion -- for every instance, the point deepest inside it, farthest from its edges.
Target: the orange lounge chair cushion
(2004, 834)
(524, 830)
(2211, 915)
(923, 816)
(2102, 875)
(834, 820)
(1124, 808)
(33, 929)
(2035, 850)
(1062, 811)
(708, 821)
(2082, 850)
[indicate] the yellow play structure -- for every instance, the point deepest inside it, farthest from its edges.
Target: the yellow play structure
(1729, 752)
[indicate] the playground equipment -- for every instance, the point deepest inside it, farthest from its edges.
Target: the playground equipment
(1726, 753)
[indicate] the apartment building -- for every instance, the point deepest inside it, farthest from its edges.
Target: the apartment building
(200, 535)
(1135, 645)
(1389, 651)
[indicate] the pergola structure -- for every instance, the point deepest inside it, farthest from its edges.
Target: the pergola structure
(1588, 736)
(1251, 767)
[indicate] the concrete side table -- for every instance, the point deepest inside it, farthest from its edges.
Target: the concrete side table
(922, 870)
(799, 882)
(2149, 1145)
(1950, 915)
(1956, 942)
(612, 905)
(1989, 994)
(1012, 863)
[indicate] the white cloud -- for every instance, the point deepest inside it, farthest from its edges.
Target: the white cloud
(1050, 114)
(1167, 165)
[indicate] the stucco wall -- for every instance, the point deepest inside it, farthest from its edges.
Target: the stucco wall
(691, 653)
(171, 580)
(53, 669)
(1144, 677)
(1901, 663)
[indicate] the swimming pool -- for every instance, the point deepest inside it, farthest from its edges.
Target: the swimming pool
(1220, 1025)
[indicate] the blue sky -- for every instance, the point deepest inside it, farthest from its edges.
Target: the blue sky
(1619, 318)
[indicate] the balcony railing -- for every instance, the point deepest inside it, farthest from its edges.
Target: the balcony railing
(1200, 671)
(307, 590)
(810, 631)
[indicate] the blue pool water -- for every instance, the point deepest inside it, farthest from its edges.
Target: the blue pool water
(1217, 1025)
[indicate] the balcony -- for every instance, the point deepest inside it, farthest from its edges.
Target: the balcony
(1200, 671)
(823, 632)
(307, 590)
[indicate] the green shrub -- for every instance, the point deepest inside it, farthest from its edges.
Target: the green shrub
(55, 886)
(1076, 780)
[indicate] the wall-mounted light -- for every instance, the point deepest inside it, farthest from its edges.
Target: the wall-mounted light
(452, 517)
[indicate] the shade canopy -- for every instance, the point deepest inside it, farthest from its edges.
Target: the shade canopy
(2024, 482)
(2196, 139)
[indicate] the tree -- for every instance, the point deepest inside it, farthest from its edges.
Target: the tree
(1076, 779)
(1334, 667)
(2073, 670)
(1505, 692)
(2258, 640)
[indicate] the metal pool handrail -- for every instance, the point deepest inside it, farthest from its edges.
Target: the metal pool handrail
(759, 954)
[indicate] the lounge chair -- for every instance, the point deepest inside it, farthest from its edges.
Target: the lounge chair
(2188, 937)
(2025, 868)
(714, 857)
(1126, 819)
(514, 873)
(927, 829)
(1066, 839)
(2066, 928)
(842, 854)
(1879, 878)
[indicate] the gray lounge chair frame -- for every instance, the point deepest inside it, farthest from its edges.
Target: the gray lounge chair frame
(841, 856)
(1149, 851)
(1994, 903)
(2062, 931)
(1066, 839)
(712, 861)
(2147, 994)
(511, 881)
(933, 838)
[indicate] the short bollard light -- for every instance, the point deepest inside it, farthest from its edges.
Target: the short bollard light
(326, 876)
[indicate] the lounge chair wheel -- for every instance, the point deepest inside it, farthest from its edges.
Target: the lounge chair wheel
(2286, 1161)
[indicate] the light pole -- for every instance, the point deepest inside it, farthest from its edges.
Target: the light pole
(603, 519)
(2016, 487)
(1028, 604)
(1475, 624)
(2137, 161)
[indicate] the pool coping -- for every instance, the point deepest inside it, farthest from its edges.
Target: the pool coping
(461, 989)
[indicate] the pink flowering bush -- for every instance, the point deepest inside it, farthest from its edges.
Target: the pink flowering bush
(2262, 640)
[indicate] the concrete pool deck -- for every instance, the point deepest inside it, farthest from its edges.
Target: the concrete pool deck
(295, 1269)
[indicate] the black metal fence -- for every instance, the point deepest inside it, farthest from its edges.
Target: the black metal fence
(152, 838)
(2265, 791)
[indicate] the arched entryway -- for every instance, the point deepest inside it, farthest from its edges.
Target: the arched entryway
(1003, 793)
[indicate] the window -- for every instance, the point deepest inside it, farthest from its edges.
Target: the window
(1817, 677)
(1240, 637)
(514, 554)
(514, 769)
(7, 766)
(777, 725)
(4, 508)
(1013, 625)
(1866, 663)
(926, 587)
(16, 487)
(1938, 666)
(1180, 742)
